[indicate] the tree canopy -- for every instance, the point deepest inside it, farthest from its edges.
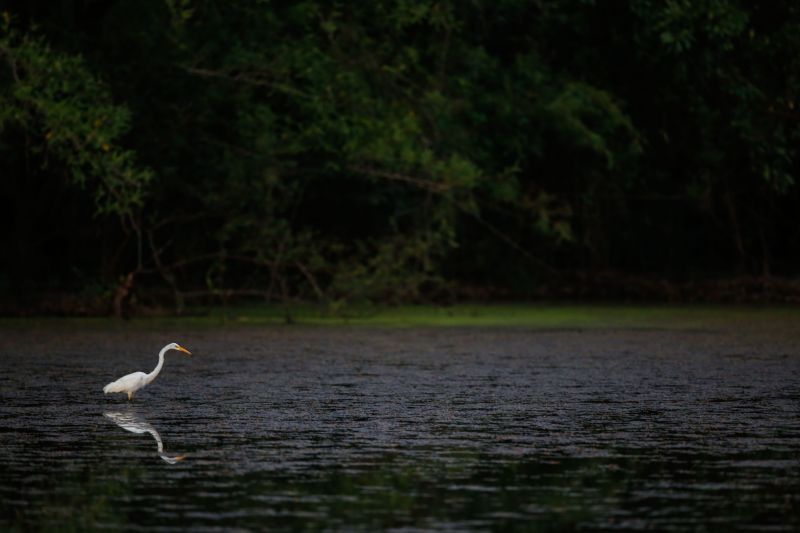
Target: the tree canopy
(394, 150)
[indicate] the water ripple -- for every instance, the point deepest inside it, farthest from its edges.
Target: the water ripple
(408, 430)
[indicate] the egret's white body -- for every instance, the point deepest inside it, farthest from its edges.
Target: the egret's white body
(132, 383)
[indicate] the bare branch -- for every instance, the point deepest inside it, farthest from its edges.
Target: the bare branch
(247, 79)
(515, 245)
(428, 185)
(311, 280)
(11, 63)
(225, 293)
(167, 274)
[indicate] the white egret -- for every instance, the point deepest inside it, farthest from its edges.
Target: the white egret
(132, 383)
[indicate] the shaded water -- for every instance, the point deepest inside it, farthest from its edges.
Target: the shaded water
(438, 429)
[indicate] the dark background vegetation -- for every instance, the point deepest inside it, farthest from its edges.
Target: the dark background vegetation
(170, 152)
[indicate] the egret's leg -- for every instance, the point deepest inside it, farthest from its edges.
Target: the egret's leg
(130, 396)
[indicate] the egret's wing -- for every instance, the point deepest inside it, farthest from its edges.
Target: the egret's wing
(125, 383)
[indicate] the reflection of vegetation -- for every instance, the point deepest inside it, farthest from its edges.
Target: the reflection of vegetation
(462, 489)
(77, 503)
(527, 493)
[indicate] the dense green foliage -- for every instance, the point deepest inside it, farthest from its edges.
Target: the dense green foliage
(395, 151)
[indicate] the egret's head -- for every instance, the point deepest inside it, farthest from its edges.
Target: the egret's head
(176, 346)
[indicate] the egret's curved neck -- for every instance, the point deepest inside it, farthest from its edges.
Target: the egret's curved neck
(152, 375)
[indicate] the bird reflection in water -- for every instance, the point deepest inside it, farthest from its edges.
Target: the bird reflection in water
(135, 423)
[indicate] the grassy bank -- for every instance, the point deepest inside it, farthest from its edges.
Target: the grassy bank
(518, 315)
(540, 316)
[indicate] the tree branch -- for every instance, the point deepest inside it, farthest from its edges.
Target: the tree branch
(311, 280)
(515, 245)
(427, 185)
(246, 79)
(166, 273)
(11, 63)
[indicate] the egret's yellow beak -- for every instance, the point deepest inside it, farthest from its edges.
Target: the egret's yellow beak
(184, 350)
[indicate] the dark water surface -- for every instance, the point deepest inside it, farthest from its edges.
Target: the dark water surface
(408, 429)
